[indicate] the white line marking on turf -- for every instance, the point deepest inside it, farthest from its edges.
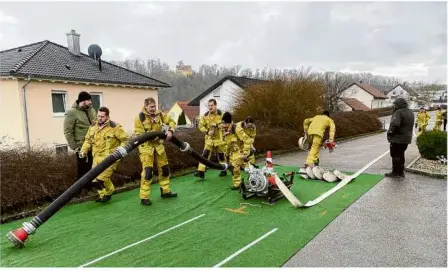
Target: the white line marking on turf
(246, 247)
(141, 241)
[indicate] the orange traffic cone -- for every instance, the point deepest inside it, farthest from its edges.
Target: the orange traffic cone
(270, 164)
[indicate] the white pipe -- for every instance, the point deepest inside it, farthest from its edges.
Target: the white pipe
(25, 113)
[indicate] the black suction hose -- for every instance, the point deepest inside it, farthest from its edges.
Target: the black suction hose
(119, 153)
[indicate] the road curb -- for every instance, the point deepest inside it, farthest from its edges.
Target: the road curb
(409, 168)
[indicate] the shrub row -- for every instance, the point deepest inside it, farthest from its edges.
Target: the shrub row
(383, 111)
(32, 178)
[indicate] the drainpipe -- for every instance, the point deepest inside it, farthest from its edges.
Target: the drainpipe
(25, 113)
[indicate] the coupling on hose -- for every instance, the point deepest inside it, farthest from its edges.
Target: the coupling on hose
(186, 147)
(121, 151)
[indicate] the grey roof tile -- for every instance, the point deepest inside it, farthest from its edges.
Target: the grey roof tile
(53, 61)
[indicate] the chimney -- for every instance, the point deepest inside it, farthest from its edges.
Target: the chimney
(73, 43)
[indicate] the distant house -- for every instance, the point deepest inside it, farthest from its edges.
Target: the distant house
(191, 112)
(47, 77)
(224, 92)
(363, 93)
(402, 91)
(185, 70)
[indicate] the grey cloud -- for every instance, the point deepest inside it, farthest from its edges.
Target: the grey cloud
(345, 35)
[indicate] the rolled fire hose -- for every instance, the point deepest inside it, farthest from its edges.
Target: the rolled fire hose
(19, 236)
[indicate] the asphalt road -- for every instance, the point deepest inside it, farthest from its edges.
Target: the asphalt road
(398, 223)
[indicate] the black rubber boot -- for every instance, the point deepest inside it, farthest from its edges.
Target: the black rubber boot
(145, 202)
(104, 199)
(199, 174)
(167, 195)
(223, 173)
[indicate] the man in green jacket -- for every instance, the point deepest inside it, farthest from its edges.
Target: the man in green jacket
(77, 121)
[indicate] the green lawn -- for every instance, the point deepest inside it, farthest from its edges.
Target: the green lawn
(79, 234)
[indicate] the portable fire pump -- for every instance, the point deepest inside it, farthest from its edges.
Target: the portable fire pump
(261, 182)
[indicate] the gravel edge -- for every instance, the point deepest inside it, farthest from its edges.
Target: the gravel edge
(409, 168)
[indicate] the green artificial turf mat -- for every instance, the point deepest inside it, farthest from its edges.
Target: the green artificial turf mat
(80, 233)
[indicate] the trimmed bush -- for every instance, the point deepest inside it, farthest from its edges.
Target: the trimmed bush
(383, 111)
(432, 144)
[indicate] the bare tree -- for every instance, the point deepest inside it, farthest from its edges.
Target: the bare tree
(335, 84)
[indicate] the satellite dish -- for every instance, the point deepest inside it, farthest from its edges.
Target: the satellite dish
(95, 51)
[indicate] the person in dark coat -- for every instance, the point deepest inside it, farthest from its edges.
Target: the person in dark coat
(444, 120)
(399, 136)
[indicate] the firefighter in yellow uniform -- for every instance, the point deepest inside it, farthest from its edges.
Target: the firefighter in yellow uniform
(248, 127)
(238, 148)
(209, 125)
(422, 121)
(315, 128)
(102, 138)
(439, 120)
(152, 120)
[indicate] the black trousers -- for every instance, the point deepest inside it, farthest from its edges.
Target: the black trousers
(83, 166)
(444, 124)
(397, 153)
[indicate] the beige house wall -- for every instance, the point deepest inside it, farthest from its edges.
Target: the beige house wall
(46, 127)
(11, 117)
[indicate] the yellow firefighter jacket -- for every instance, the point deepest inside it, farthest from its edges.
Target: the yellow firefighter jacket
(237, 141)
(211, 122)
(318, 124)
(439, 115)
(250, 132)
(145, 123)
(423, 118)
(103, 140)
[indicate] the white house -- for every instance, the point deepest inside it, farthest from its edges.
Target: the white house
(401, 91)
(224, 92)
(364, 93)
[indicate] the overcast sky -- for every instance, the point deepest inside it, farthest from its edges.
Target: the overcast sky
(405, 40)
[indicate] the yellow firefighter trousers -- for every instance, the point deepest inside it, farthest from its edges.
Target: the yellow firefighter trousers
(147, 173)
(313, 154)
(438, 125)
(421, 128)
(237, 161)
(220, 151)
(252, 159)
(105, 180)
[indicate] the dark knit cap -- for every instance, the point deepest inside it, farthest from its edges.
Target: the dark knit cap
(84, 96)
(226, 118)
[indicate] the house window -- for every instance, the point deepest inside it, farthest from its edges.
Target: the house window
(97, 100)
(59, 101)
(217, 92)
